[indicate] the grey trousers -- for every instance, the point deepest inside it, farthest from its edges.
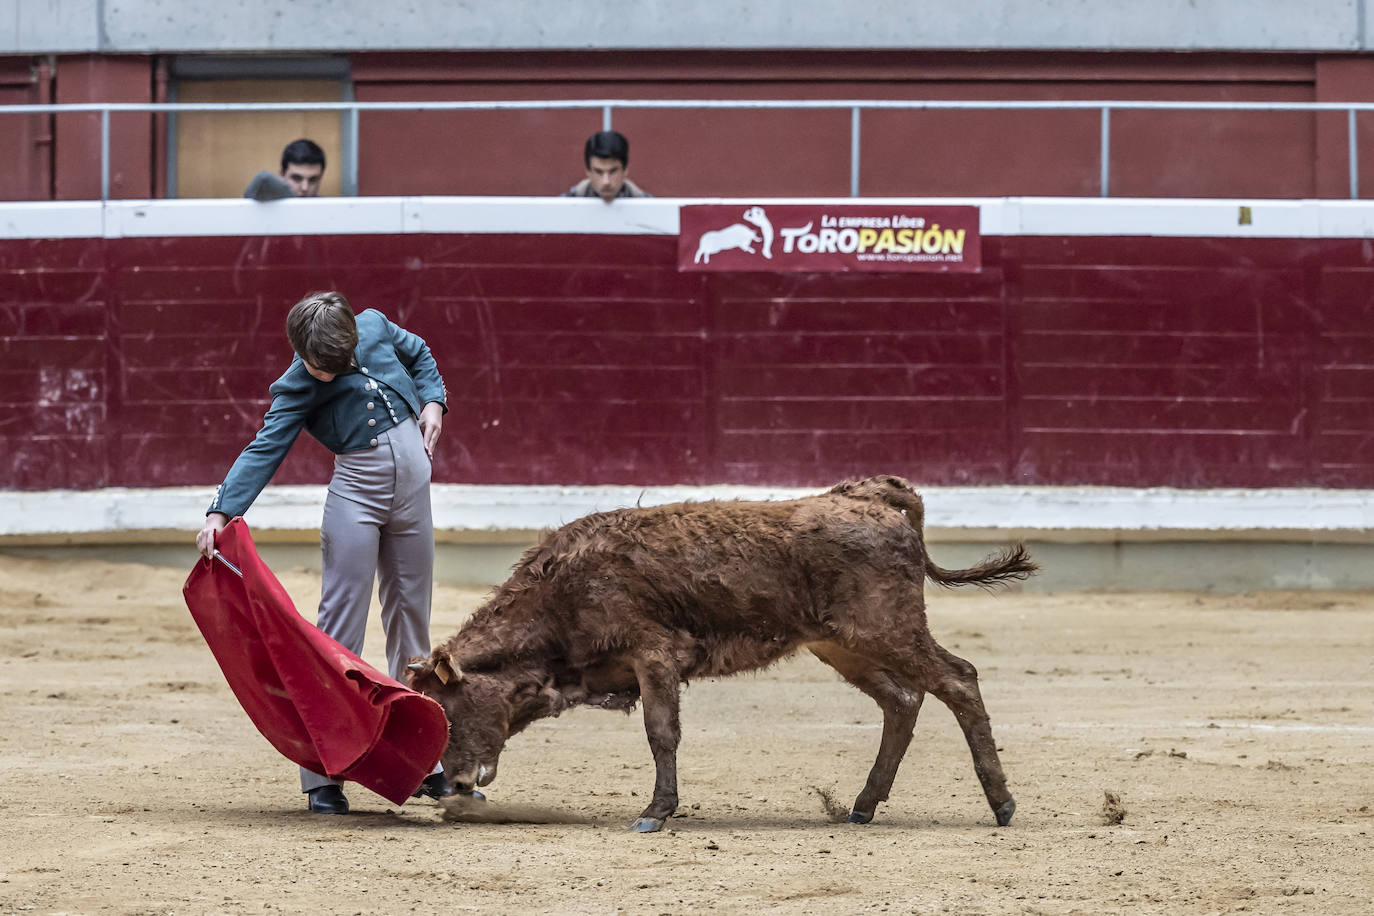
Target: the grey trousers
(377, 525)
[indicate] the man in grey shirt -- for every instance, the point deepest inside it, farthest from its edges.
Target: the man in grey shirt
(607, 157)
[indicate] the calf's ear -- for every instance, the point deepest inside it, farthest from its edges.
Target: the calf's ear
(447, 670)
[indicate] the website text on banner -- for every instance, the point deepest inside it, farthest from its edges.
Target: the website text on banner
(828, 237)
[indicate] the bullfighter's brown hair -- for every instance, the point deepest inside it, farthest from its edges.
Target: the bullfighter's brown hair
(323, 331)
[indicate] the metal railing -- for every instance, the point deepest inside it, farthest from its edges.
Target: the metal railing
(351, 110)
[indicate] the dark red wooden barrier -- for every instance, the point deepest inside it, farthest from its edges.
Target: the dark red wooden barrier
(590, 359)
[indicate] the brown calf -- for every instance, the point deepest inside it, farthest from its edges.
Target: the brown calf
(627, 605)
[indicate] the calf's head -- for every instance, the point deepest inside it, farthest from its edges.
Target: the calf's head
(484, 709)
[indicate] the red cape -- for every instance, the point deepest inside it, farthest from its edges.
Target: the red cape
(315, 701)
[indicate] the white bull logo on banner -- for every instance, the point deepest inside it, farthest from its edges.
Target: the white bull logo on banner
(737, 236)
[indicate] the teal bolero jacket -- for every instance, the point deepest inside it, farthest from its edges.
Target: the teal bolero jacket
(396, 376)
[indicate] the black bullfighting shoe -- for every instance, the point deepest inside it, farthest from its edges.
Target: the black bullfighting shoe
(327, 800)
(434, 786)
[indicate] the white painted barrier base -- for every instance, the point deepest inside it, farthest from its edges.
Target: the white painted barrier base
(1085, 538)
(509, 514)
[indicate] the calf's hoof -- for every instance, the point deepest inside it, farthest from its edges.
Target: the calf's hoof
(860, 817)
(1005, 812)
(647, 825)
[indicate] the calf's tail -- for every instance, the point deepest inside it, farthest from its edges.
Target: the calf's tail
(1013, 562)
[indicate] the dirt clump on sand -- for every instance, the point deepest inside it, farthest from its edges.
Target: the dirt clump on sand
(1113, 811)
(1238, 727)
(835, 810)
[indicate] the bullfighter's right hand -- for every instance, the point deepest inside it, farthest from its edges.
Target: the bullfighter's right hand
(205, 539)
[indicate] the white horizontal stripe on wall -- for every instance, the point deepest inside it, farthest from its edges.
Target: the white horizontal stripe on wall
(1003, 216)
(464, 511)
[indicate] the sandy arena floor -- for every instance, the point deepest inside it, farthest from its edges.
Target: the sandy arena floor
(1238, 733)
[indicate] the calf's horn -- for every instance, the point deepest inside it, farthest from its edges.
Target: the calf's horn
(417, 667)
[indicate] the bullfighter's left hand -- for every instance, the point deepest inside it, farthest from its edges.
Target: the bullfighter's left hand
(431, 422)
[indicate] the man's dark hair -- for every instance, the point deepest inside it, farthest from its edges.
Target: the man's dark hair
(302, 152)
(607, 144)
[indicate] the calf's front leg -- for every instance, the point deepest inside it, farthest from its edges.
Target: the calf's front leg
(658, 688)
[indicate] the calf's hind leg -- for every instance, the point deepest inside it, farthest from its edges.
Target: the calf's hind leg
(658, 688)
(900, 706)
(926, 664)
(955, 682)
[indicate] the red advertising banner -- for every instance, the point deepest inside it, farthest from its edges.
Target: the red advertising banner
(828, 237)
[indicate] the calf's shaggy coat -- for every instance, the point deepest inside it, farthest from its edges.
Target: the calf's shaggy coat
(627, 605)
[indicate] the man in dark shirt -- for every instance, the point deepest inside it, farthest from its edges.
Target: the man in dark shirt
(302, 169)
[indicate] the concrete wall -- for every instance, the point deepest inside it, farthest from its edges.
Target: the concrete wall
(119, 26)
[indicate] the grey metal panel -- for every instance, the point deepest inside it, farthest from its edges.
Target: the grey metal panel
(276, 67)
(172, 152)
(348, 145)
(35, 26)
